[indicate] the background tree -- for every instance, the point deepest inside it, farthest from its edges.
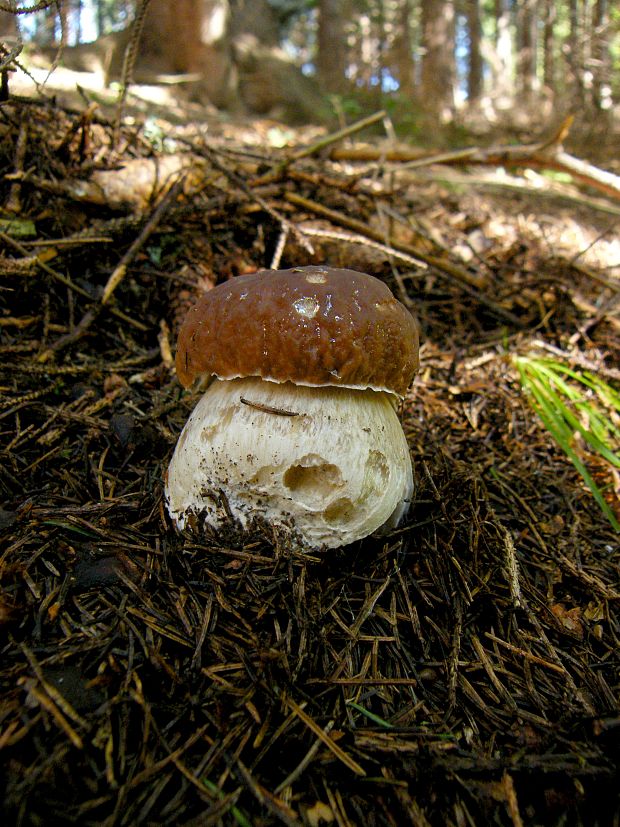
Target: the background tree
(601, 63)
(475, 63)
(403, 50)
(370, 53)
(549, 12)
(331, 53)
(193, 37)
(526, 49)
(438, 61)
(503, 52)
(573, 52)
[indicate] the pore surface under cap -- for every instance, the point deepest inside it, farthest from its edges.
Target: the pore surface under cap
(307, 325)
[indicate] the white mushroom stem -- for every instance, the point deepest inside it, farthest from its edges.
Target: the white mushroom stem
(331, 464)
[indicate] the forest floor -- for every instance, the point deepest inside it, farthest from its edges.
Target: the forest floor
(465, 669)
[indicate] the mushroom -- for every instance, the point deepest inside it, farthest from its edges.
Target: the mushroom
(298, 427)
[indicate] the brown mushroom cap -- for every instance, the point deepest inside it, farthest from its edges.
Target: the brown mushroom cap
(309, 325)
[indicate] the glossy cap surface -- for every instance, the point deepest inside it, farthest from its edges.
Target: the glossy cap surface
(309, 325)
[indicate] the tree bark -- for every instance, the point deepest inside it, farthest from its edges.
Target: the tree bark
(438, 62)
(475, 66)
(192, 36)
(403, 51)
(63, 17)
(601, 57)
(78, 22)
(526, 48)
(100, 19)
(550, 16)
(257, 18)
(504, 51)
(331, 55)
(574, 52)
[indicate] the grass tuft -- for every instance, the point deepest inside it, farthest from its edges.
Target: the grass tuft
(580, 411)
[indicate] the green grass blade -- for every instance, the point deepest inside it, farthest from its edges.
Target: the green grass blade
(588, 434)
(239, 816)
(370, 715)
(553, 391)
(579, 465)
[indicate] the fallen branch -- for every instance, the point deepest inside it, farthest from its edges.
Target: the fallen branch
(445, 266)
(547, 154)
(120, 271)
(541, 188)
(276, 173)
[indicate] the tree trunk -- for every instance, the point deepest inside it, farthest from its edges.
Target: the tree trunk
(574, 52)
(257, 18)
(192, 36)
(365, 49)
(601, 58)
(550, 16)
(526, 49)
(331, 47)
(63, 19)
(100, 19)
(438, 62)
(403, 51)
(474, 69)
(502, 85)
(78, 22)
(230, 47)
